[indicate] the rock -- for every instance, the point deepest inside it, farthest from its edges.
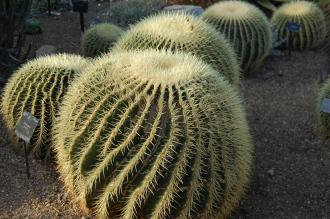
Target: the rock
(271, 172)
(189, 9)
(45, 50)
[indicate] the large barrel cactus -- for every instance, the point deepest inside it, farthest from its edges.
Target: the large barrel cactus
(323, 118)
(38, 87)
(153, 135)
(182, 32)
(100, 39)
(311, 19)
(246, 27)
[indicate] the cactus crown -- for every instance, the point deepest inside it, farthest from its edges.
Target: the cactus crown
(299, 8)
(182, 32)
(313, 27)
(153, 134)
(246, 27)
(231, 9)
(100, 39)
(38, 87)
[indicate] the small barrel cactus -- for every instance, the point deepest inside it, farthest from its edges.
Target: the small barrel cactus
(325, 7)
(38, 87)
(322, 116)
(151, 134)
(246, 27)
(186, 33)
(311, 19)
(100, 39)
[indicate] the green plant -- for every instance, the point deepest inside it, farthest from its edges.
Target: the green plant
(311, 19)
(13, 15)
(38, 87)
(181, 32)
(131, 11)
(325, 7)
(246, 27)
(323, 118)
(153, 134)
(100, 39)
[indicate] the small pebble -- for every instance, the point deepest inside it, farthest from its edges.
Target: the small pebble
(271, 172)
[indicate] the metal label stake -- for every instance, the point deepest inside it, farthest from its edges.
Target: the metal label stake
(24, 130)
(81, 6)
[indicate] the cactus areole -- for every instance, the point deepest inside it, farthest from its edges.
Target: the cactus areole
(153, 135)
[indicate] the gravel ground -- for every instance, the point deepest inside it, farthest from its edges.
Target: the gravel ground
(291, 173)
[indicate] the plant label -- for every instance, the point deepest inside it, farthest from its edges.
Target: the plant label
(293, 27)
(325, 105)
(80, 6)
(26, 126)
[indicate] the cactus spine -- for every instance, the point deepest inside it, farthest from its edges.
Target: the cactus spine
(246, 27)
(313, 28)
(181, 32)
(153, 134)
(100, 39)
(38, 88)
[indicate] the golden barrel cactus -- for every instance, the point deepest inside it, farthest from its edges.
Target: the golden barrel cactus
(246, 27)
(100, 39)
(309, 16)
(38, 87)
(323, 118)
(185, 33)
(151, 134)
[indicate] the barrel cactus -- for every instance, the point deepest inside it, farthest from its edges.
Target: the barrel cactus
(182, 32)
(100, 39)
(151, 134)
(38, 87)
(323, 118)
(325, 7)
(311, 19)
(246, 27)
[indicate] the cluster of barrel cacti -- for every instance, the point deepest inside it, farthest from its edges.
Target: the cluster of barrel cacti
(154, 126)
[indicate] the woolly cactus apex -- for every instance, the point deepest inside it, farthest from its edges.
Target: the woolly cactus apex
(246, 27)
(153, 134)
(181, 32)
(309, 16)
(323, 118)
(38, 88)
(100, 39)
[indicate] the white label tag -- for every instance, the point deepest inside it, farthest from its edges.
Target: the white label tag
(26, 126)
